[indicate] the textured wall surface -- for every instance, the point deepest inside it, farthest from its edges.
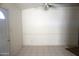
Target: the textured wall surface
(51, 27)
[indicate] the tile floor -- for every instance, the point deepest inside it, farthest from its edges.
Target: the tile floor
(44, 51)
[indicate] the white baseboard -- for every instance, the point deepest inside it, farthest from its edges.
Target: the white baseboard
(46, 45)
(4, 54)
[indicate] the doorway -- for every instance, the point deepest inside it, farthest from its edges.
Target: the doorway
(4, 33)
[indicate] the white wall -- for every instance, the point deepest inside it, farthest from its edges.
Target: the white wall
(15, 27)
(42, 27)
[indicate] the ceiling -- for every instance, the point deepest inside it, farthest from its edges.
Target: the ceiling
(28, 5)
(32, 5)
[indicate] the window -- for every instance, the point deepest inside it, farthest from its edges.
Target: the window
(2, 16)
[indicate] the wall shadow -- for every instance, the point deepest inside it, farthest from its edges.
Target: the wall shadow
(73, 27)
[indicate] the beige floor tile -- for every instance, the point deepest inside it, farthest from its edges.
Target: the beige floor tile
(44, 51)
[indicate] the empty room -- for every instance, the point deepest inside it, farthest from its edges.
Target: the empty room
(39, 29)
